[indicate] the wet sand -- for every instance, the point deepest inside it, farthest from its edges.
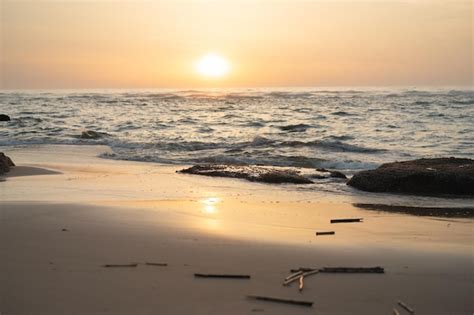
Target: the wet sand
(76, 213)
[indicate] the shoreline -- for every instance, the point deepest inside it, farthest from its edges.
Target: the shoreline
(117, 212)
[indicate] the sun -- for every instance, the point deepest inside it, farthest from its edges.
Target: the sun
(213, 66)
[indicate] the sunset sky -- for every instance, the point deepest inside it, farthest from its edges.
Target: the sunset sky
(157, 44)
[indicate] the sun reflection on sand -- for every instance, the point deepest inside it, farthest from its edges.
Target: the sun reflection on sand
(210, 205)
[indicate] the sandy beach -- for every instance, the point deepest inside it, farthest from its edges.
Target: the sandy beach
(65, 213)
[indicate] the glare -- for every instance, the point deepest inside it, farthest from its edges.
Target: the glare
(213, 65)
(210, 205)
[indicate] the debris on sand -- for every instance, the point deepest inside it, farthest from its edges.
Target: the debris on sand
(326, 233)
(406, 307)
(279, 300)
(229, 276)
(156, 264)
(346, 220)
(352, 270)
(119, 266)
(298, 275)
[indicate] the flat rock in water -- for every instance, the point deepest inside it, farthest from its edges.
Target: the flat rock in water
(4, 117)
(450, 176)
(5, 163)
(251, 173)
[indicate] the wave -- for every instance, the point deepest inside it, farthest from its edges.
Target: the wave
(332, 145)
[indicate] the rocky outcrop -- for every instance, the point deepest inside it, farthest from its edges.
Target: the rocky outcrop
(450, 176)
(251, 173)
(4, 117)
(5, 163)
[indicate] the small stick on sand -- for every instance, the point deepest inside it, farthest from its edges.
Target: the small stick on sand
(406, 307)
(304, 269)
(395, 312)
(278, 300)
(346, 220)
(297, 273)
(309, 273)
(117, 266)
(325, 233)
(202, 275)
(297, 276)
(290, 280)
(301, 283)
(156, 264)
(352, 270)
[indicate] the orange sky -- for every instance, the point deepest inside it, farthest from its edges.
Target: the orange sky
(155, 43)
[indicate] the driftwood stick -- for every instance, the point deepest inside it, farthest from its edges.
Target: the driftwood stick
(301, 283)
(297, 273)
(406, 307)
(352, 270)
(346, 220)
(202, 275)
(278, 300)
(290, 280)
(395, 312)
(304, 269)
(156, 264)
(309, 273)
(298, 276)
(117, 266)
(325, 233)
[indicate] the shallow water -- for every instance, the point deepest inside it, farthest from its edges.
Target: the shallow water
(342, 129)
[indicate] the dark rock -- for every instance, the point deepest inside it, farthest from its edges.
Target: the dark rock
(5, 163)
(4, 117)
(335, 174)
(251, 173)
(90, 134)
(450, 176)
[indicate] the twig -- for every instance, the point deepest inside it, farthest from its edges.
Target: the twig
(301, 283)
(297, 273)
(352, 270)
(117, 266)
(297, 276)
(346, 220)
(304, 269)
(395, 312)
(406, 307)
(326, 233)
(156, 264)
(278, 300)
(201, 275)
(309, 273)
(290, 280)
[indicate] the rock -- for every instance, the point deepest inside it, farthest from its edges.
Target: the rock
(251, 173)
(90, 134)
(4, 117)
(5, 163)
(451, 176)
(335, 174)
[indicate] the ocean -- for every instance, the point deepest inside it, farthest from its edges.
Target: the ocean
(345, 130)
